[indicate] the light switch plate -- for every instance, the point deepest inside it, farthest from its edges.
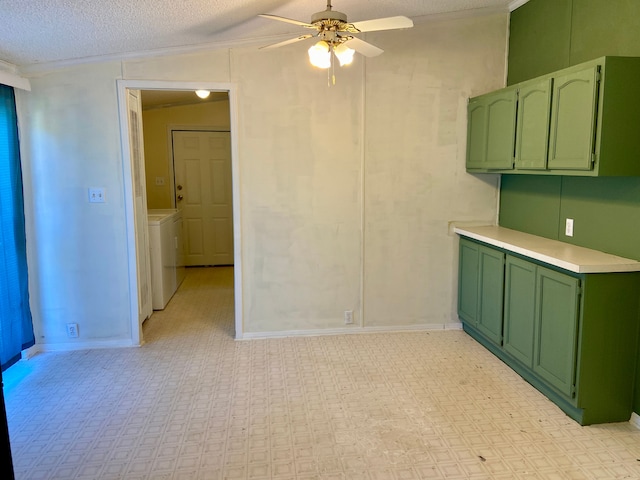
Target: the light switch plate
(96, 195)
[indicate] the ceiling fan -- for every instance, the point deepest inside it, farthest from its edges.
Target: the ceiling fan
(335, 35)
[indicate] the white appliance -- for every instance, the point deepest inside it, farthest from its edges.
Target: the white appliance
(167, 257)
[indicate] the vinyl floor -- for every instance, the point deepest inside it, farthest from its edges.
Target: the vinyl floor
(193, 403)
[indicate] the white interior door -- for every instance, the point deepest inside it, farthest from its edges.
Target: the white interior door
(134, 108)
(202, 168)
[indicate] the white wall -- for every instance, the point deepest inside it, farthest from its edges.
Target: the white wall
(345, 191)
(77, 252)
(415, 181)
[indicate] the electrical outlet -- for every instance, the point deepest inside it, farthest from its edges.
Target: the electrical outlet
(568, 227)
(159, 181)
(72, 330)
(348, 317)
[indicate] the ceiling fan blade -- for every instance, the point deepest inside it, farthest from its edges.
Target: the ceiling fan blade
(288, 20)
(388, 23)
(287, 42)
(363, 47)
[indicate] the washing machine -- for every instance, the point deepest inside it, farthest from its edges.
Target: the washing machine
(165, 243)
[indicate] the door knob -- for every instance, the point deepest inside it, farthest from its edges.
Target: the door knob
(179, 187)
(180, 197)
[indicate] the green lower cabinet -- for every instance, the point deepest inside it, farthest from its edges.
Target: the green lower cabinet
(490, 293)
(556, 315)
(468, 281)
(519, 309)
(480, 289)
(540, 321)
(572, 336)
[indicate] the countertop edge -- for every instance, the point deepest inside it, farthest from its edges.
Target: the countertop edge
(631, 266)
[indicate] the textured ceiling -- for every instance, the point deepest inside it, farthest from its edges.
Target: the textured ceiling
(45, 31)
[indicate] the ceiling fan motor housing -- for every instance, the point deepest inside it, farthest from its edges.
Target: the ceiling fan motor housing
(328, 18)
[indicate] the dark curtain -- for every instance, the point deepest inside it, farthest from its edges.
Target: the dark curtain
(16, 327)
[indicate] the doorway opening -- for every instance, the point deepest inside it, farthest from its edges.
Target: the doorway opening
(177, 179)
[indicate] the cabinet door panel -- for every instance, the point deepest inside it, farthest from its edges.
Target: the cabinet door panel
(468, 282)
(477, 134)
(491, 288)
(501, 127)
(532, 133)
(556, 329)
(573, 118)
(519, 308)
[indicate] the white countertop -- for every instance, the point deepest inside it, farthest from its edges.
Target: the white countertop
(564, 255)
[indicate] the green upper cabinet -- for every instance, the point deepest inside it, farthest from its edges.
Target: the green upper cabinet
(489, 117)
(532, 134)
(573, 119)
(580, 121)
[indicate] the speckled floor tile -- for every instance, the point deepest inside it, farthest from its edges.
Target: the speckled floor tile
(193, 403)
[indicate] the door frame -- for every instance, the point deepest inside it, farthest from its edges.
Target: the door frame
(231, 89)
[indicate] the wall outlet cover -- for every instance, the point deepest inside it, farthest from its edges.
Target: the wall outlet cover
(568, 228)
(72, 330)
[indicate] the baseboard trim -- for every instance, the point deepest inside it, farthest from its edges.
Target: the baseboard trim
(27, 353)
(69, 347)
(635, 420)
(351, 331)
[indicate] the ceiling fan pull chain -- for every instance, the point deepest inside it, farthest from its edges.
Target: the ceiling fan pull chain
(333, 64)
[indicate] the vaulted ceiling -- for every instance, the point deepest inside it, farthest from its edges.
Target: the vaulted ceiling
(46, 31)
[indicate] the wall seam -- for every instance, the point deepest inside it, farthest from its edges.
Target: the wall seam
(569, 60)
(363, 133)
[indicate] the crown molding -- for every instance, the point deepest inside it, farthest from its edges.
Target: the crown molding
(46, 67)
(9, 76)
(446, 16)
(516, 4)
(8, 67)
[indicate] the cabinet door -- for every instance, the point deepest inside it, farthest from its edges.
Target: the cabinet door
(519, 309)
(491, 130)
(501, 127)
(573, 120)
(532, 132)
(557, 297)
(468, 282)
(490, 293)
(476, 133)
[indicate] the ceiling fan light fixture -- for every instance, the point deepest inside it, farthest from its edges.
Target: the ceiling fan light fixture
(344, 54)
(320, 55)
(203, 93)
